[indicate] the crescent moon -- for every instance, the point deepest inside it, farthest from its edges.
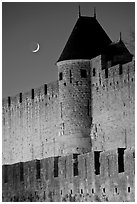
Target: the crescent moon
(37, 48)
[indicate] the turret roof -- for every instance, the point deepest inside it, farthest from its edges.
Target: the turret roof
(117, 48)
(87, 40)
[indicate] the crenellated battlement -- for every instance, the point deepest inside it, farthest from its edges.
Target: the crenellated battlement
(74, 139)
(27, 123)
(46, 91)
(34, 123)
(95, 176)
(113, 101)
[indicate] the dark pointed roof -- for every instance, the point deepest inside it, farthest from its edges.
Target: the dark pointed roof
(87, 40)
(117, 48)
(117, 52)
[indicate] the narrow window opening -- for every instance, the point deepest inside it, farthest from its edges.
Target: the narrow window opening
(120, 69)
(63, 128)
(128, 189)
(32, 93)
(134, 155)
(37, 169)
(71, 191)
(56, 166)
(96, 162)
(64, 84)
(121, 160)
(21, 172)
(83, 73)
(60, 76)
(106, 73)
(70, 76)
(9, 101)
(81, 191)
(94, 72)
(116, 190)
(92, 190)
(104, 190)
(20, 99)
(45, 89)
(61, 192)
(75, 164)
(5, 174)
(44, 196)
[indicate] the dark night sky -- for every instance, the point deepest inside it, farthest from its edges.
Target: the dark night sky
(50, 24)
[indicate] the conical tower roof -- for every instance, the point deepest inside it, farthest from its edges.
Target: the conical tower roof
(87, 40)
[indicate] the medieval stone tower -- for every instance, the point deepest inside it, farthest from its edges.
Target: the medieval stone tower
(74, 71)
(73, 139)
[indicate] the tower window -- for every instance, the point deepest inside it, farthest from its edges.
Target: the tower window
(120, 69)
(45, 89)
(94, 72)
(96, 162)
(20, 98)
(121, 160)
(9, 101)
(106, 73)
(60, 76)
(128, 189)
(75, 164)
(116, 190)
(92, 190)
(37, 169)
(32, 93)
(83, 73)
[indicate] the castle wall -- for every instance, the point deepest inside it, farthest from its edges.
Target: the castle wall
(38, 182)
(75, 105)
(30, 125)
(113, 109)
(56, 119)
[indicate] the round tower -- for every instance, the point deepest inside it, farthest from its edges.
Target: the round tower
(75, 106)
(86, 41)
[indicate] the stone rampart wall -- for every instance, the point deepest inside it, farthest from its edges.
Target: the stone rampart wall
(30, 124)
(113, 106)
(94, 176)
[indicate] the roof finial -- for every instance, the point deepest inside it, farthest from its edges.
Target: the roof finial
(79, 13)
(94, 12)
(120, 37)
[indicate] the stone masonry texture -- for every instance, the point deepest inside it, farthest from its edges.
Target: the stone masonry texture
(72, 116)
(73, 139)
(109, 185)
